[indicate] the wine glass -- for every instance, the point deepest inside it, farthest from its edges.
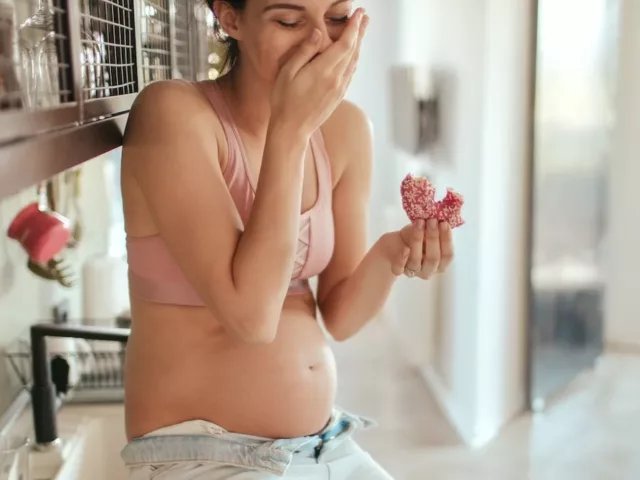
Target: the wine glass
(32, 32)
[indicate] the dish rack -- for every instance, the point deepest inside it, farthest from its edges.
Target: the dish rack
(84, 367)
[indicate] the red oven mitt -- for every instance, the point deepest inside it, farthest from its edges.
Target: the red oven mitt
(418, 201)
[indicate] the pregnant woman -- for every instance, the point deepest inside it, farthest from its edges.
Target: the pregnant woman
(236, 192)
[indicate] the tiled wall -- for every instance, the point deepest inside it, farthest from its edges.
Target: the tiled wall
(25, 298)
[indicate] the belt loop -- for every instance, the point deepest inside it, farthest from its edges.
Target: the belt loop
(271, 457)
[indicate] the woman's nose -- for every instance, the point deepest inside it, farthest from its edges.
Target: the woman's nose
(327, 41)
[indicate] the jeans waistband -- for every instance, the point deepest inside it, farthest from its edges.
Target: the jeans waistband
(274, 456)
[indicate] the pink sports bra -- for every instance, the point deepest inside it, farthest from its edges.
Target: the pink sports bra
(155, 276)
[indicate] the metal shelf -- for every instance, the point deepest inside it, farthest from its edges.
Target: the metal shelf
(72, 70)
(29, 161)
(106, 75)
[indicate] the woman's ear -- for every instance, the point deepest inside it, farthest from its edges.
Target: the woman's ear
(228, 17)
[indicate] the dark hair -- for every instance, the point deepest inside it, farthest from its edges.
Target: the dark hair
(233, 51)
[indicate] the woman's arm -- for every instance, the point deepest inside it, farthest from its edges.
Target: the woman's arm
(354, 287)
(170, 151)
(360, 297)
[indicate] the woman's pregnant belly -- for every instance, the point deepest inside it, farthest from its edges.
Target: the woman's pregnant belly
(181, 365)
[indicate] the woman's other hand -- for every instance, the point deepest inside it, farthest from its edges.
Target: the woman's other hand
(420, 249)
(313, 82)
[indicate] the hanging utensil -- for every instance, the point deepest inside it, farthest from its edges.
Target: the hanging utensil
(72, 186)
(40, 270)
(54, 270)
(42, 232)
(56, 266)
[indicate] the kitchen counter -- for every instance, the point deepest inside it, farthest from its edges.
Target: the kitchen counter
(91, 435)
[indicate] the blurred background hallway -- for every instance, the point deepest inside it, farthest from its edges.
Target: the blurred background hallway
(590, 432)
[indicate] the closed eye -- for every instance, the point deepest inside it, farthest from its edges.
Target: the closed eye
(287, 24)
(334, 21)
(340, 20)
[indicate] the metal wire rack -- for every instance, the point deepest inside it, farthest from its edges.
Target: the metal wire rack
(35, 69)
(183, 22)
(98, 366)
(36, 48)
(107, 58)
(155, 41)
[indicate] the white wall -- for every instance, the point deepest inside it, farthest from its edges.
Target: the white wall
(484, 46)
(502, 282)
(369, 90)
(450, 39)
(623, 301)
(474, 359)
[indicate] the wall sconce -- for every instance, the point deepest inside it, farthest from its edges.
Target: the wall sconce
(414, 109)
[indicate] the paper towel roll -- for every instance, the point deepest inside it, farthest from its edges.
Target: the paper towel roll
(105, 291)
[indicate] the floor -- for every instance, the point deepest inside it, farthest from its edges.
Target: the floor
(592, 433)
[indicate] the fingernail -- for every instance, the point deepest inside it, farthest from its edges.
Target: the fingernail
(433, 224)
(420, 225)
(315, 36)
(444, 226)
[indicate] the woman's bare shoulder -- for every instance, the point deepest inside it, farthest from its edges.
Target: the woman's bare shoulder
(167, 107)
(348, 136)
(347, 113)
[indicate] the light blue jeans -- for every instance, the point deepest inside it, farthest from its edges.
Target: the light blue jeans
(201, 450)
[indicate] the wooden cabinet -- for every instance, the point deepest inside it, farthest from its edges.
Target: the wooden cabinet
(71, 69)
